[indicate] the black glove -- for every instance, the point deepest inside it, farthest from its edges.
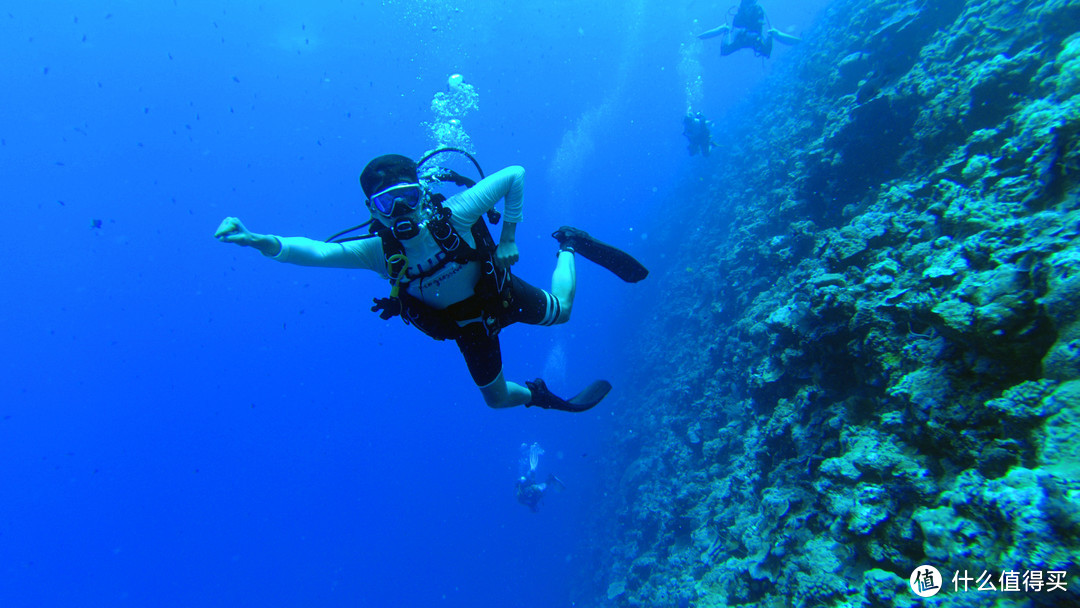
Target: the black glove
(386, 307)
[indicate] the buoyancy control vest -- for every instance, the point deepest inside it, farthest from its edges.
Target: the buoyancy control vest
(491, 297)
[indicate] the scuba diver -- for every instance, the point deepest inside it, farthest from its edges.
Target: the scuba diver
(747, 30)
(528, 491)
(447, 276)
(696, 129)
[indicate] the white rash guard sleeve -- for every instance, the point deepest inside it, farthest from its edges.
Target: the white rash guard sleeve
(508, 184)
(366, 254)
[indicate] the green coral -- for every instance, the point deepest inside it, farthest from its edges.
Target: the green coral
(875, 363)
(1067, 62)
(1058, 449)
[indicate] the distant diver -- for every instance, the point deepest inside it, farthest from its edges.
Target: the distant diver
(748, 30)
(698, 136)
(528, 491)
(448, 277)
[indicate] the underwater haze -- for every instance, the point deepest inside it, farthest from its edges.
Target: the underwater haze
(186, 423)
(850, 379)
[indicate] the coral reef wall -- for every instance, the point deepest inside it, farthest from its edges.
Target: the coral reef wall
(874, 359)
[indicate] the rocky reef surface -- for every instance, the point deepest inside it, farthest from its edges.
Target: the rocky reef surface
(874, 360)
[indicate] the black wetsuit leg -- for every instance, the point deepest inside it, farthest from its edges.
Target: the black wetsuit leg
(531, 305)
(528, 304)
(764, 46)
(482, 353)
(740, 39)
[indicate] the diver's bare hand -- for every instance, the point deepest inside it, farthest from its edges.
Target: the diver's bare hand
(506, 254)
(232, 230)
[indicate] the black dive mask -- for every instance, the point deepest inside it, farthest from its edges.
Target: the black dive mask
(397, 200)
(398, 205)
(401, 207)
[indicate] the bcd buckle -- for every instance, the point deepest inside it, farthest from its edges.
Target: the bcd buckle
(491, 324)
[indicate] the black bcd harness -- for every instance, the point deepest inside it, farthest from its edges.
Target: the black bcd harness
(491, 297)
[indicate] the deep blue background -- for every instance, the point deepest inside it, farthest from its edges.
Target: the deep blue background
(185, 423)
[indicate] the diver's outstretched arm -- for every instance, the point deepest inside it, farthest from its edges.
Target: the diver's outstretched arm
(713, 33)
(302, 251)
(232, 230)
(783, 38)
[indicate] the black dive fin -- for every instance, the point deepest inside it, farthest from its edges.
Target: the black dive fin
(592, 395)
(614, 259)
(586, 399)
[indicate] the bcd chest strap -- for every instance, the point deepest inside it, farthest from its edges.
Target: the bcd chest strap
(491, 294)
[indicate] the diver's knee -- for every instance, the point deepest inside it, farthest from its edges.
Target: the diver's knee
(496, 402)
(496, 393)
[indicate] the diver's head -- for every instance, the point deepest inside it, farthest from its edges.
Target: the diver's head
(392, 186)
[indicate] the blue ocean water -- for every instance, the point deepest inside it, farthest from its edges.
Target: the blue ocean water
(185, 423)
